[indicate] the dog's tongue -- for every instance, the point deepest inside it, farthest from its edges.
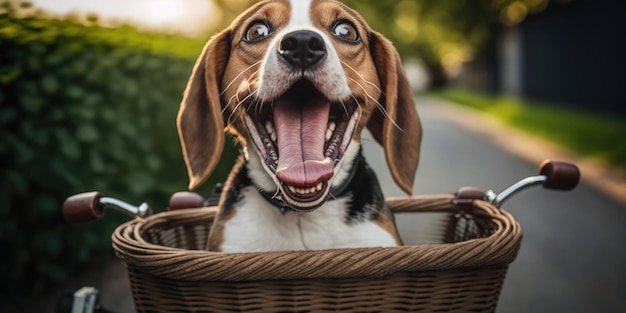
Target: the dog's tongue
(301, 128)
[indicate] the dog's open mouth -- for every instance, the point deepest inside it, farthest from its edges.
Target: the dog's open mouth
(302, 136)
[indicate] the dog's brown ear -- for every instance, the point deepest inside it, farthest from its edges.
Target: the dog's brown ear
(398, 129)
(200, 123)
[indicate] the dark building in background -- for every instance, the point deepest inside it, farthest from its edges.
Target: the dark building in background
(571, 54)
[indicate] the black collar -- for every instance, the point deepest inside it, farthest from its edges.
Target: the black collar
(336, 191)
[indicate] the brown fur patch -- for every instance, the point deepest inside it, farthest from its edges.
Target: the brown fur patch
(387, 223)
(216, 235)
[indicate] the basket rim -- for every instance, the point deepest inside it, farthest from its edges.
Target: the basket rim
(496, 250)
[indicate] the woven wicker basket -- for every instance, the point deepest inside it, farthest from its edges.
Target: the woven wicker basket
(170, 272)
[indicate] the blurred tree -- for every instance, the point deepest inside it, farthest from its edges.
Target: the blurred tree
(442, 33)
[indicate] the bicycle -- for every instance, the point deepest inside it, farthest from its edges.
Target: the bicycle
(170, 271)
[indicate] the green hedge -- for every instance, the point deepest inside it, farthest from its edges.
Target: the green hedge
(83, 108)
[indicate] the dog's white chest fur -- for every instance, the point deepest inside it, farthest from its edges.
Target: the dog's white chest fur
(258, 226)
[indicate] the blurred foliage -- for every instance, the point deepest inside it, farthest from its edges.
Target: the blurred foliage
(442, 33)
(83, 108)
(588, 134)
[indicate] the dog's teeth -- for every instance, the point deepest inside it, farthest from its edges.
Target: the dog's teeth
(269, 127)
(330, 130)
(305, 190)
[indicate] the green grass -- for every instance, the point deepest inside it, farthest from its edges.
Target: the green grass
(588, 134)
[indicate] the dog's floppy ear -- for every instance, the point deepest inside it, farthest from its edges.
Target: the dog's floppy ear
(199, 122)
(398, 129)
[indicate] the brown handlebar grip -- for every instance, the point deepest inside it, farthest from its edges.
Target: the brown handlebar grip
(83, 207)
(465, 197)
(560, 175)
(185, 200)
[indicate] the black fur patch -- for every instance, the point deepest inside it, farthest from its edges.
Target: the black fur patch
(237, 180)
(367, 197)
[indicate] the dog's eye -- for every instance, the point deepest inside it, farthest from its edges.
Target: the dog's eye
(346, 31)
(257, 31)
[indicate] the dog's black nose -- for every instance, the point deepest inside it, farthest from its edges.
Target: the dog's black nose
(302, 48)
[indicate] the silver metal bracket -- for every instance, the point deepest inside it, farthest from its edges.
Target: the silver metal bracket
(498, 199)
(142, 210)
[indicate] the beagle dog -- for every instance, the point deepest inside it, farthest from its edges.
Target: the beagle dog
(297, 81)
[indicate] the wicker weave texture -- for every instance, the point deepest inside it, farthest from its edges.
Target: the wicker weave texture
(451, 291)
(169, 272)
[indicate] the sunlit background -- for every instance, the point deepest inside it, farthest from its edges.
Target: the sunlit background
(191, 17)
(441, 35)
(90, 89)
(451, 39)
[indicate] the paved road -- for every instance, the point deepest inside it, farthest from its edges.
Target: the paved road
(573, 254)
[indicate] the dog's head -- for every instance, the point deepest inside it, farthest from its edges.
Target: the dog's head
(299, 80)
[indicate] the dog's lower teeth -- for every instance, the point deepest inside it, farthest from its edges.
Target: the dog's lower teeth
(306, 190)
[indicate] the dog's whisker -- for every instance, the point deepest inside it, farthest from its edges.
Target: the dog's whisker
(379, 106)
(276, 193)
(332, 196)
(362, 78)
(255, 106)
(226, 107)
(236, 95)
(230, 118)
(239, 75)
(239, 104)
(249, 95)
(356, 101)
(254, 74)
(345, 109)
(228, 104)
(253, 77)
(232, 113)
(259, 106)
